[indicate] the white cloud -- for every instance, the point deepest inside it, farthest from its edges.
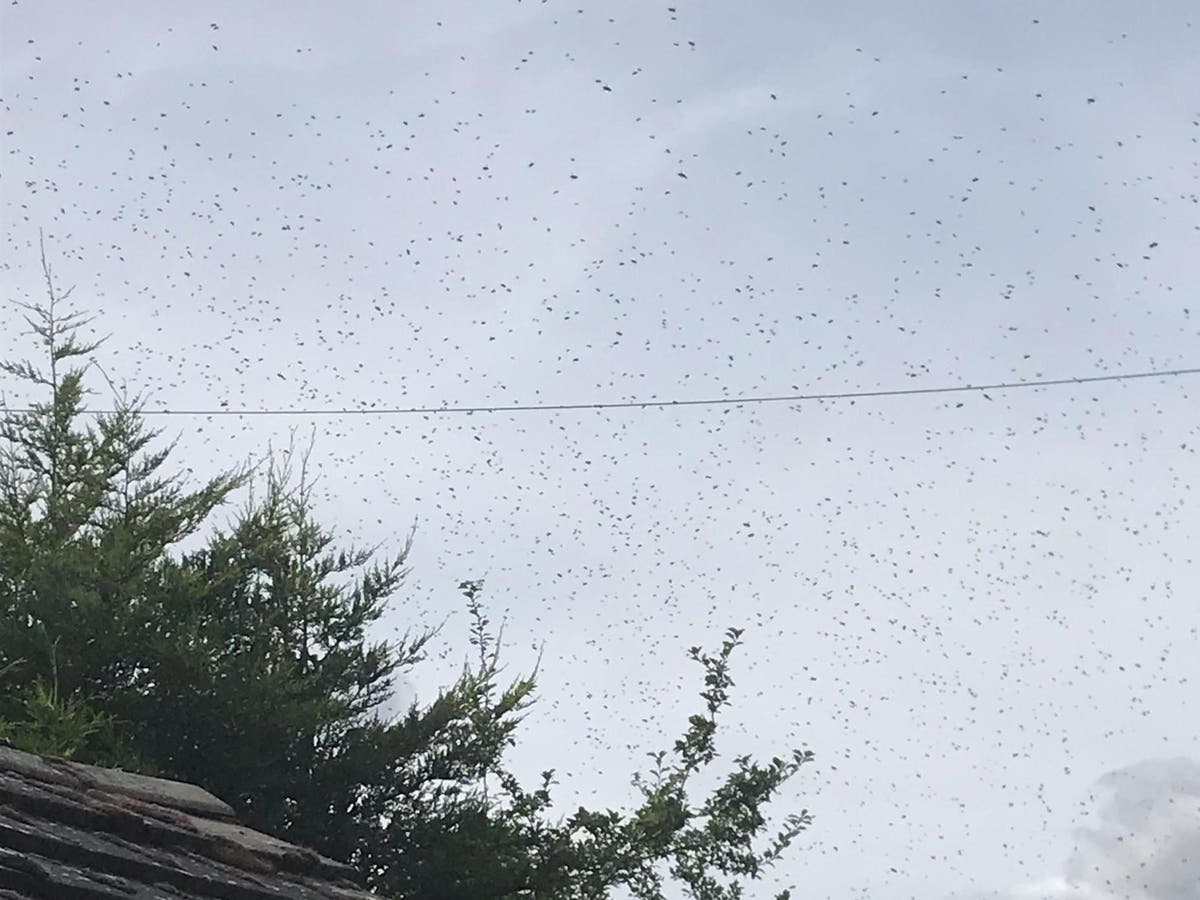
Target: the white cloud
(1145, 844)
(1057, 888)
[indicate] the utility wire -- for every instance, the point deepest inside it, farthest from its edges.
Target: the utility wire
(652, 404)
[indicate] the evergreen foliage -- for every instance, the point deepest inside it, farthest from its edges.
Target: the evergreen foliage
(247, 664)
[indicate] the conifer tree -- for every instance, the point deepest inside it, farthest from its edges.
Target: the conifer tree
(86, 515)
(249, 666)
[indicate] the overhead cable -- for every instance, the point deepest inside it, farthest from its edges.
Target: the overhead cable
(650, 403)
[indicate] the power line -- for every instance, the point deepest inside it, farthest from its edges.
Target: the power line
(653, 404)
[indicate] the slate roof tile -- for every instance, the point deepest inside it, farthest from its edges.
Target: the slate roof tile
(75, 832)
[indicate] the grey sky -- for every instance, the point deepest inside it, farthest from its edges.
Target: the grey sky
(971, 609)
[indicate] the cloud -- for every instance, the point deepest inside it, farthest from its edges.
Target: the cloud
(1145, 845)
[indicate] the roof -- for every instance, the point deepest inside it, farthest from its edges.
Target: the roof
(79, 832)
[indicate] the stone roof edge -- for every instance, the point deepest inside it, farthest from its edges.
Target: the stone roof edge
(172, 794)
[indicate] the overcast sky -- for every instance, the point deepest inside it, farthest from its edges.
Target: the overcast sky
(979, 612)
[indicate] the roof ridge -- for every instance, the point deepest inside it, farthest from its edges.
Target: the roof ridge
(178, 795)
(118, 832)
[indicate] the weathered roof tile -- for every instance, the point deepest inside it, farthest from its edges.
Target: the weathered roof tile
(73, 831)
